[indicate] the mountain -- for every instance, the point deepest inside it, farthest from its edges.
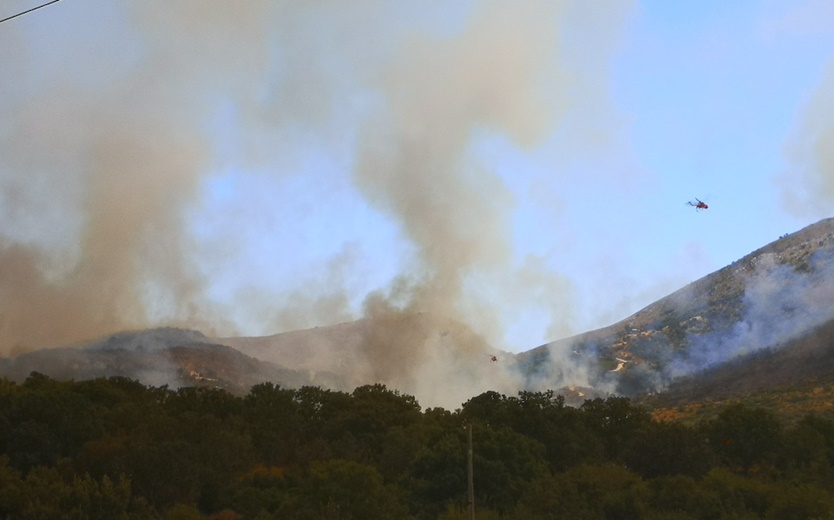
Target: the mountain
(767, 301)
(163, 356)
(762, 322)
(440, 361)
(413, 352)
(379, 347)
(790, 379)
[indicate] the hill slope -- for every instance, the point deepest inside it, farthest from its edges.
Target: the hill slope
(763, 321)
(775, 294)
(157, 357)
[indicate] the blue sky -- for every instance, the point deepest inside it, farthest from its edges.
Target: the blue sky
(523, 167)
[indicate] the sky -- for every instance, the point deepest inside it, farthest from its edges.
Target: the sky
(254, 167)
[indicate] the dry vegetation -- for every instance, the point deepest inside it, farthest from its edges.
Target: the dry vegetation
(789, 404)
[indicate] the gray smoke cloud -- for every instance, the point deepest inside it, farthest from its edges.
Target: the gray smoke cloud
(99, 175)
(413, 160)
(507, 72)
(780, 302)
(108, 143)
(808, 186)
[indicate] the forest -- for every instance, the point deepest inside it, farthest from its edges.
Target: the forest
(116, 449)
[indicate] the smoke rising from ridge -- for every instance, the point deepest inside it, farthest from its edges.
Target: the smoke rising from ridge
(109, 145)
(413, 162)
(121, 161)
(220, 165)
(809, 188)
(779, 303)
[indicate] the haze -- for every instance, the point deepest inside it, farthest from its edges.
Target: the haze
(255, 167)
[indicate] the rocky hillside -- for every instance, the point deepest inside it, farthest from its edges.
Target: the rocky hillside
(763, 321)
(791, 380)
(421, 354)
(376, 345)
(763, 301)
(165, 356)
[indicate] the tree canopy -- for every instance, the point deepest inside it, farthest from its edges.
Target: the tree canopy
(116, 449)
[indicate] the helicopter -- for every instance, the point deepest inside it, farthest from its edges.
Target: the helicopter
(698, 204)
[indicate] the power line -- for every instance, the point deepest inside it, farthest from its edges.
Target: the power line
(28, 11)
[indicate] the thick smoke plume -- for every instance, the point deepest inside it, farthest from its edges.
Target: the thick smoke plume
(108, 145)
(414, 164)
(809, 185)
(779, 303)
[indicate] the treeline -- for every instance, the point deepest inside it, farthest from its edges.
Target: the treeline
(116, 449)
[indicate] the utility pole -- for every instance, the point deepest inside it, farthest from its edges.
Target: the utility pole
(471, 477)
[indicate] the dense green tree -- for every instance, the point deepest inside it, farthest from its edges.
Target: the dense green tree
(373, 415)
(665, 449)
(809, 448)
(274, 423)
(768, 498)
(437, 477)
(187, 458)
(617, 422)
(164, 471)
(183, 512)
(103, 456)
(224, 453)
(46, 493)
(113, 392)
(46, 421)
(454, 512)
(542, 416)
(683, 497)
(11, 489)
(113, 448)
(262, 491)
(746, 437)
(799, 502)
(739, 495)
(806, 454)
(204, 401)
(490, 408)
(587, 493)
(397, 449)
(319, 409)
(344, 490)
(504, 463)
(561, 429)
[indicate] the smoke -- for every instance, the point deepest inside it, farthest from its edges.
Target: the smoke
(413, 162)
(126, 221)
(808, 188)
(779, 303)
(506, 74)
(108, 145)
(98, 176)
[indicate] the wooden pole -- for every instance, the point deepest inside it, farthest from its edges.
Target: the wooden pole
(471, 477)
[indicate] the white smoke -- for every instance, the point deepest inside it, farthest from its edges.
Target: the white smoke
(113, 131)
(779, 303)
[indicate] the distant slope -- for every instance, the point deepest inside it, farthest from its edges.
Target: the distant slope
(775, 294)
(804, 361)
(790, 380)
(763, 321)
(155, 357)
(386, 348)
(440, 361)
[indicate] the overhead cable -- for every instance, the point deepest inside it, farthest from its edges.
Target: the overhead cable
(28, 11)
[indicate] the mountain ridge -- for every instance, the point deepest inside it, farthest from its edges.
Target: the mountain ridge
(747, 305)
(755, 309)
